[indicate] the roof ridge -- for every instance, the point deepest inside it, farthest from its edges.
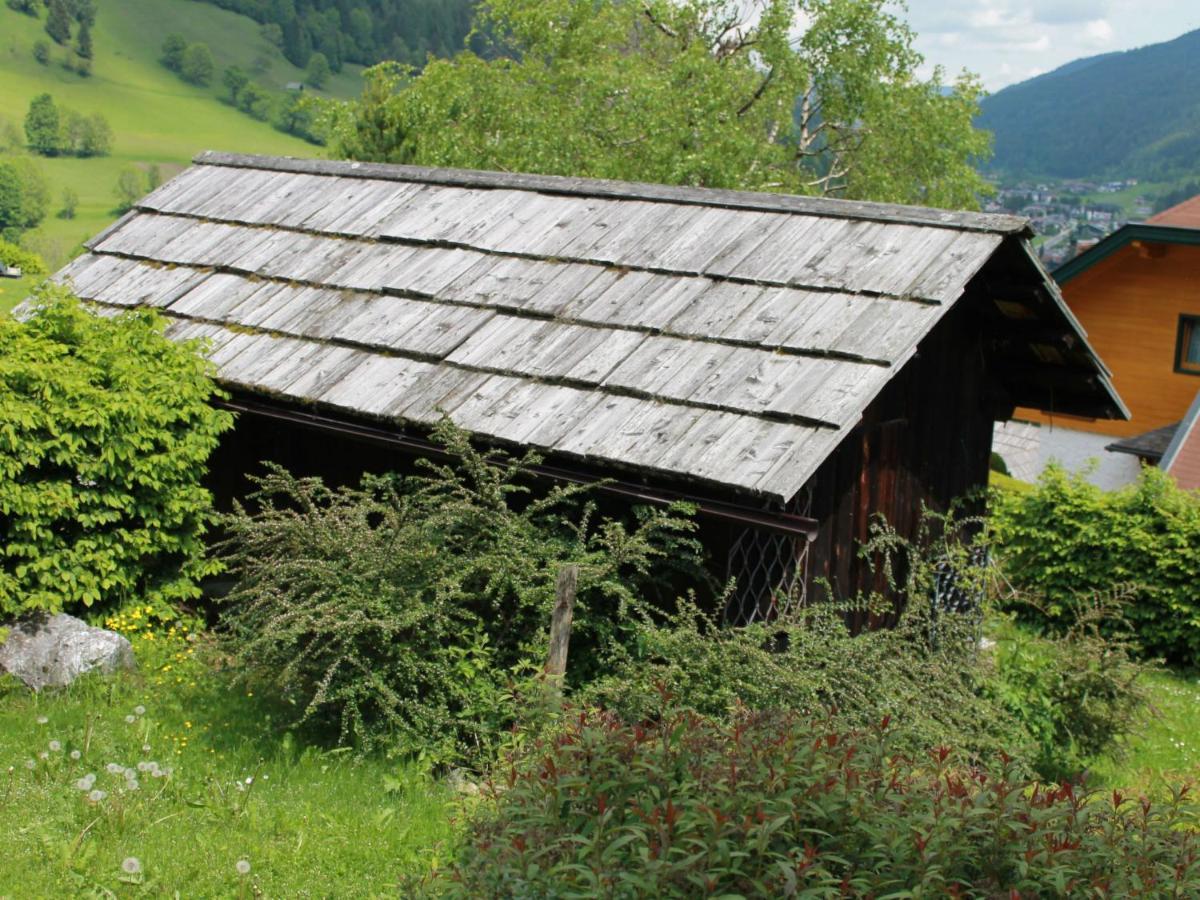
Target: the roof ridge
(594, 187)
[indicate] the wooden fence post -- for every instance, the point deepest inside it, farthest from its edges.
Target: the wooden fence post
(560, 622)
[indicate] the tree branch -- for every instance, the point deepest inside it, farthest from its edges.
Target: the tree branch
(762, 88)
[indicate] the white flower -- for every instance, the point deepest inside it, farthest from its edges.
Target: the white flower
(42, 720)
(75, 754)
(249, 779)
(97, 795)
(114, 768)
(130, 719)
(243, 867)
(143, 766)
(85, 783)
(131, 866)
(132, 784)
(55, 746)
(145, 748)
(139, 710)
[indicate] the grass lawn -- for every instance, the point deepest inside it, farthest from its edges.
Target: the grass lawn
(309, 823)
(13, 291)
(156, 118)
(1166, 750)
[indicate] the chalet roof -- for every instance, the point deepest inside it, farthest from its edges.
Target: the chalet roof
(1182, 457)
(1181, 215)
(1144, 232)
(721, 337)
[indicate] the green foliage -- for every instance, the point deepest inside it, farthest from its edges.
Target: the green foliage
(1067, 537)
(41, 125)
(29, 7)
(301, 115)
(812, 663)
(105, 430)
(41, 52)
(130, 186)
(395, 613)
(255, 100)
(83, 43)
(24, 196)
(1078, 694)
(26, 260)
(692, 93)
(173, 48)
(318, 71)
(782, 804)
(58, 22)
(197, 64)
(234, 80)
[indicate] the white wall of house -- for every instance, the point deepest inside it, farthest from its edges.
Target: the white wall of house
(1028, 448)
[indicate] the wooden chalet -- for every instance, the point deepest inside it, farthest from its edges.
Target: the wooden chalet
(793, 365)
(1181, 459)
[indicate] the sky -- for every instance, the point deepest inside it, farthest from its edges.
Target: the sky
(1005, 41)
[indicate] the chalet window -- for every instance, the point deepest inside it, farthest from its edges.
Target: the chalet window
(1187, 348)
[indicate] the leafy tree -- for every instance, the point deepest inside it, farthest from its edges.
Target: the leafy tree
(85, 12)
(82, 65)
(318, 70)
(24, 197)
(29, 7)
(41, 125)
(97, 136)
(129, 188)
(197, 65)
(686, 93)
(71, 126)
(108, 428)
(153, 177)
(256, 101)
(83, 42)
(300, 115)
(70, 202)
(234, 79)
(58, 22)
(41, 52)
(173, 47)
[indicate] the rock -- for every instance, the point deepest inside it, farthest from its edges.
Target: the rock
(458, 782)
(54, 651)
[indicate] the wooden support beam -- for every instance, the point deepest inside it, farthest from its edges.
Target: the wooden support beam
(560, 623)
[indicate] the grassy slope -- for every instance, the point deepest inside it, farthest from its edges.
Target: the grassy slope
(156, 117)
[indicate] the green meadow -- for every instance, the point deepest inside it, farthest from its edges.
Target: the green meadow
(157, 118)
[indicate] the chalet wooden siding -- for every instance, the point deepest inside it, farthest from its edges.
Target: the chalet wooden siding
(817, 357)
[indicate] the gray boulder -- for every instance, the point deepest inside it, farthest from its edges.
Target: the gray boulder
(53, 651)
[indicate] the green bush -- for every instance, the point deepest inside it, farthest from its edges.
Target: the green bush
(813, 663)
(781, 804)
(26, 260)
(1067, 537)
(105, 430)
(397, 612)
(1076, 693)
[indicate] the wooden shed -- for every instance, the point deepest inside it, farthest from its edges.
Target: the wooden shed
(793, 365)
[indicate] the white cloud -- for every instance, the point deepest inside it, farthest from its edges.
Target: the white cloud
(1098, 33)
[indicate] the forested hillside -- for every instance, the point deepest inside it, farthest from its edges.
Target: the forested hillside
(361, 31)
(1131, 114)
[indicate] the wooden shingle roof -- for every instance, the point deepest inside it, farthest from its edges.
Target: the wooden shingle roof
(723, 337)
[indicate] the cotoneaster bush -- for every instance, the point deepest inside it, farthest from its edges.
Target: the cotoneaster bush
(26, 260)
(397, 613)
(780, 804)
(105, 431)
(1068, 538)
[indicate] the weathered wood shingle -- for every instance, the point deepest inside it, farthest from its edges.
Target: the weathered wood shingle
(717, 336)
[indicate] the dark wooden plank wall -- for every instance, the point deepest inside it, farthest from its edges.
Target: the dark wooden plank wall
(927, 438)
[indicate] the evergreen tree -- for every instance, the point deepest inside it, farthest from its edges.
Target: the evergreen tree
(58, 22)
(41, 125)
(41, 52)
(318, 70)
(83, 43)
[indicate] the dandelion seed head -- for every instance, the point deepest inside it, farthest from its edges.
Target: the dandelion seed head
(30, 764)
(131, 865)
(43, 755)
(42, 720)
(145, 748)
(75, 754)
(114, 768)
(55, 746)
(243, 867)
(130, 719)
(97, 795)
(139, 710)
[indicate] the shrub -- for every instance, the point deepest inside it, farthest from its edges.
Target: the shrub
(105, 429)
(26, 260)
(41, 52)
(1067, 537)
(197, 65)
(1076, 693)
(395, 613)
(780, 804)
(812, 663)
